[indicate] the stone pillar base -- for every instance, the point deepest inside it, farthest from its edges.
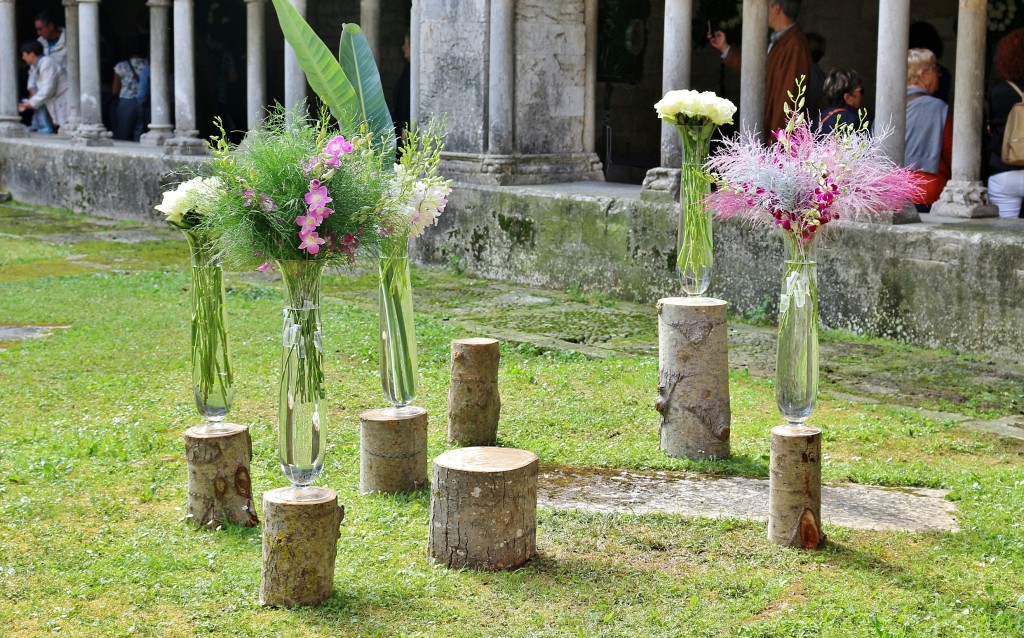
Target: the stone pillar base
(509, 170)
(12, 127)
(964, 198)
(92, 135)
(186, 144)
(157, 135)
(661, 185)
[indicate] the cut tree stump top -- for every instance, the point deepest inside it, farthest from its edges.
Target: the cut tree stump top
(485, 459)
(392, 415)
(476, 341)
(222, 429)
(795, 431)
(691, 301)
(284, 496)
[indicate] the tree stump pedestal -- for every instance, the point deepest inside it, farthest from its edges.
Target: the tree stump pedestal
(392, 450)
(483, 508)
(300, 544)
(794, 487)
(474, 404)
(693, 377)
(219, 486)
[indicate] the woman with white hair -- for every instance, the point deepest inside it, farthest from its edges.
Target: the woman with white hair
(929, 140)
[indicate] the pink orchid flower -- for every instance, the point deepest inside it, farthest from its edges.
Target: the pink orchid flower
(317, 197)
(311, 243)
(307, 224)
(338, 146)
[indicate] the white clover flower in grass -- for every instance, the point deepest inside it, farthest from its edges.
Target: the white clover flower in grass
(677, 107)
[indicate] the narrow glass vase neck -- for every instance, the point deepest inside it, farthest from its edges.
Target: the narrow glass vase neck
(797, 251)
(302, 282)
(202, 250)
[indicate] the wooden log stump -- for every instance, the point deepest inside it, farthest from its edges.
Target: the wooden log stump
(693, 377)
(483, 508)
(794, 487)
(474, 404)
(300, 544)
(219, 486)
(392, 450)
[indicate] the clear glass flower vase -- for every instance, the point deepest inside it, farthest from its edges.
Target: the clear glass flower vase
(796, 371)
(695, 248)
(212, 376)
(398, 360)
(301, 413)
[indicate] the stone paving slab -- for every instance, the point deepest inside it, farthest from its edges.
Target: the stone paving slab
(633, 492)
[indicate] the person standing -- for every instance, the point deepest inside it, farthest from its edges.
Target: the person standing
(929, 135)
(844, 93)
(789, 58)
(51, 38)
(129, 123)
(51, 83)
(1005, 183)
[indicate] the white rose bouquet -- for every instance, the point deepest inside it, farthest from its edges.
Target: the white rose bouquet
(695, 115)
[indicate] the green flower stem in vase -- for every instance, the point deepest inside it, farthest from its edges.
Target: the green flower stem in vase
(398, 365)
(302, 415)
(212, 377)
(796, 371)
(695, 247)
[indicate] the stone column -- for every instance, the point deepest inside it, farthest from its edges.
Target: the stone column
(10, 123)
(891, 101)
(369, 22)
(590, 89)
(256, 61)
(74, 95)
(965, 195)
(662, 183)
(501, 79)
(186, 136)
(294, 78)
(90, 131)
(414, 60)
(160, 125)
(755, 65)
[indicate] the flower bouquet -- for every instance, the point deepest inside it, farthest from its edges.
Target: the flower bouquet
(185, 208)
(418, 196)
(695, 115)
(801, 183)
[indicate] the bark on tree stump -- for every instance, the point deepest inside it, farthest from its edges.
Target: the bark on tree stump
(794, 487)
(474, 404)
(300, 544)
(219, 486)
(483, 508)
(693, 377)
(393, 450)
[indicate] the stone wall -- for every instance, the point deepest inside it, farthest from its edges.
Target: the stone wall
(551, 39)
(453, 69)
(123, 181)
(949, 283)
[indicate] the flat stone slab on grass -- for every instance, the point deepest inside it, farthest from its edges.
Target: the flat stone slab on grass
(18, 333)
(632, 492)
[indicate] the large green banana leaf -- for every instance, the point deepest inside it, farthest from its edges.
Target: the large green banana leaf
(323, 72)
(361, 70)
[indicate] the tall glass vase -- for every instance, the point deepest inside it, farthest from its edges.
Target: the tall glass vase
(302, 411)
(212, 377)
(695, 248)
(796, 371)
(398, 366)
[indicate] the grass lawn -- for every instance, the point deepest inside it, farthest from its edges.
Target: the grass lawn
(92, 479)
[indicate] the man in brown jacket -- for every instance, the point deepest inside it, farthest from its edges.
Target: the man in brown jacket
(789, 57)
